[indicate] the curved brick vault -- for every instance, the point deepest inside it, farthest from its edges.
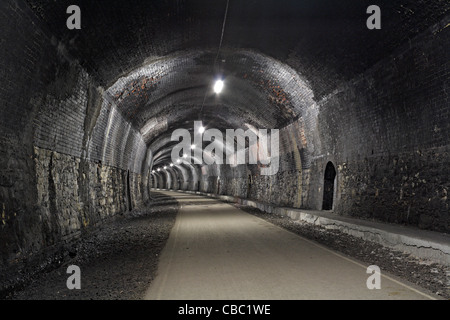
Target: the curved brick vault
(87, 115)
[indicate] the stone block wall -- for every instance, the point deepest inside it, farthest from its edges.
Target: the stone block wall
(387, 134)
(68, 159)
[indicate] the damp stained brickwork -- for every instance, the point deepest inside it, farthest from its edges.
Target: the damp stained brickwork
(59, 173)
(387, 133)
(87, 115)
(26, 69)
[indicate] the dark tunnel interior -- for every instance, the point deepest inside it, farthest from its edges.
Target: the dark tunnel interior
(87, 115)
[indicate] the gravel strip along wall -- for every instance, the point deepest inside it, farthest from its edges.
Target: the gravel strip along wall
(427, 273)
(118, 260)
(432, 276)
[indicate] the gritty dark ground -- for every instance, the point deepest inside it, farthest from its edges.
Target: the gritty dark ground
(432, 276)
(117, 261)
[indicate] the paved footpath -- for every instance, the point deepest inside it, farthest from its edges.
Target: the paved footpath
(218, 252)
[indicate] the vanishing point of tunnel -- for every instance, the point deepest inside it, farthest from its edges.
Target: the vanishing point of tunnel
(229, 149)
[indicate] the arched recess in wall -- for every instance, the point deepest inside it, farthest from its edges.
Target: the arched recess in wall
(329, 186)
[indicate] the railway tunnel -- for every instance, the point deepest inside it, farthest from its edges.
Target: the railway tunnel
(354, 121)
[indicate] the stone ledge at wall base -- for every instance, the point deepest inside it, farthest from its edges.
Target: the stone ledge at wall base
(423, 244)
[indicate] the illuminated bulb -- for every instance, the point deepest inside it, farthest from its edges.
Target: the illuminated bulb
(178, 161)
(159, 169)
(165, 167)
(153, 171)
(185, 155)
(218, 86)
(171, 164)
(201, 129)
(193, 147)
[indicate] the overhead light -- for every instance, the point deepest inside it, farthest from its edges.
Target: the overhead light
(171, 164)
(178, 161)
(159, 169)
(153, 171)
(185, 155)
(193, 147)
(165, 168)
(201, 129)
(218, 86)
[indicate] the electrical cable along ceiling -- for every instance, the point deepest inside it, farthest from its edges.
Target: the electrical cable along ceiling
(158, 60)
(95, 118)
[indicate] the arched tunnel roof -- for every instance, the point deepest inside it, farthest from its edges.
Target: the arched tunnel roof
(157, 60)
(117, 36)
(173, 92)
(88, 115)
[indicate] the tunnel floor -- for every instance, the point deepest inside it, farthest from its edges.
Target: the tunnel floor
(216, 251)
(186, 246)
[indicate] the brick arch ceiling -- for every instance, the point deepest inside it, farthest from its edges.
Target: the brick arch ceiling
(156, 59)
(326, 40)
(174, 91)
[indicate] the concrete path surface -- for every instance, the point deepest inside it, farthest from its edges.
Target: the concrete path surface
(218, 252)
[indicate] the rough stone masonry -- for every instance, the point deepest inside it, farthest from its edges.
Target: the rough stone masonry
(86, 114)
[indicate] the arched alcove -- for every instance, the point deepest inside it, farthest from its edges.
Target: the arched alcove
(329, 186)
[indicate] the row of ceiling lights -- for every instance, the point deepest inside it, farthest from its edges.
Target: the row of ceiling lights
(218, 86)
(202, 129)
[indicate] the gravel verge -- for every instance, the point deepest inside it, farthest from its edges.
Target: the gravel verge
(429, 275)
(118, 260)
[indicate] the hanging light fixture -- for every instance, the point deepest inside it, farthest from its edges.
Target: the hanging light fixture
(218, 86)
